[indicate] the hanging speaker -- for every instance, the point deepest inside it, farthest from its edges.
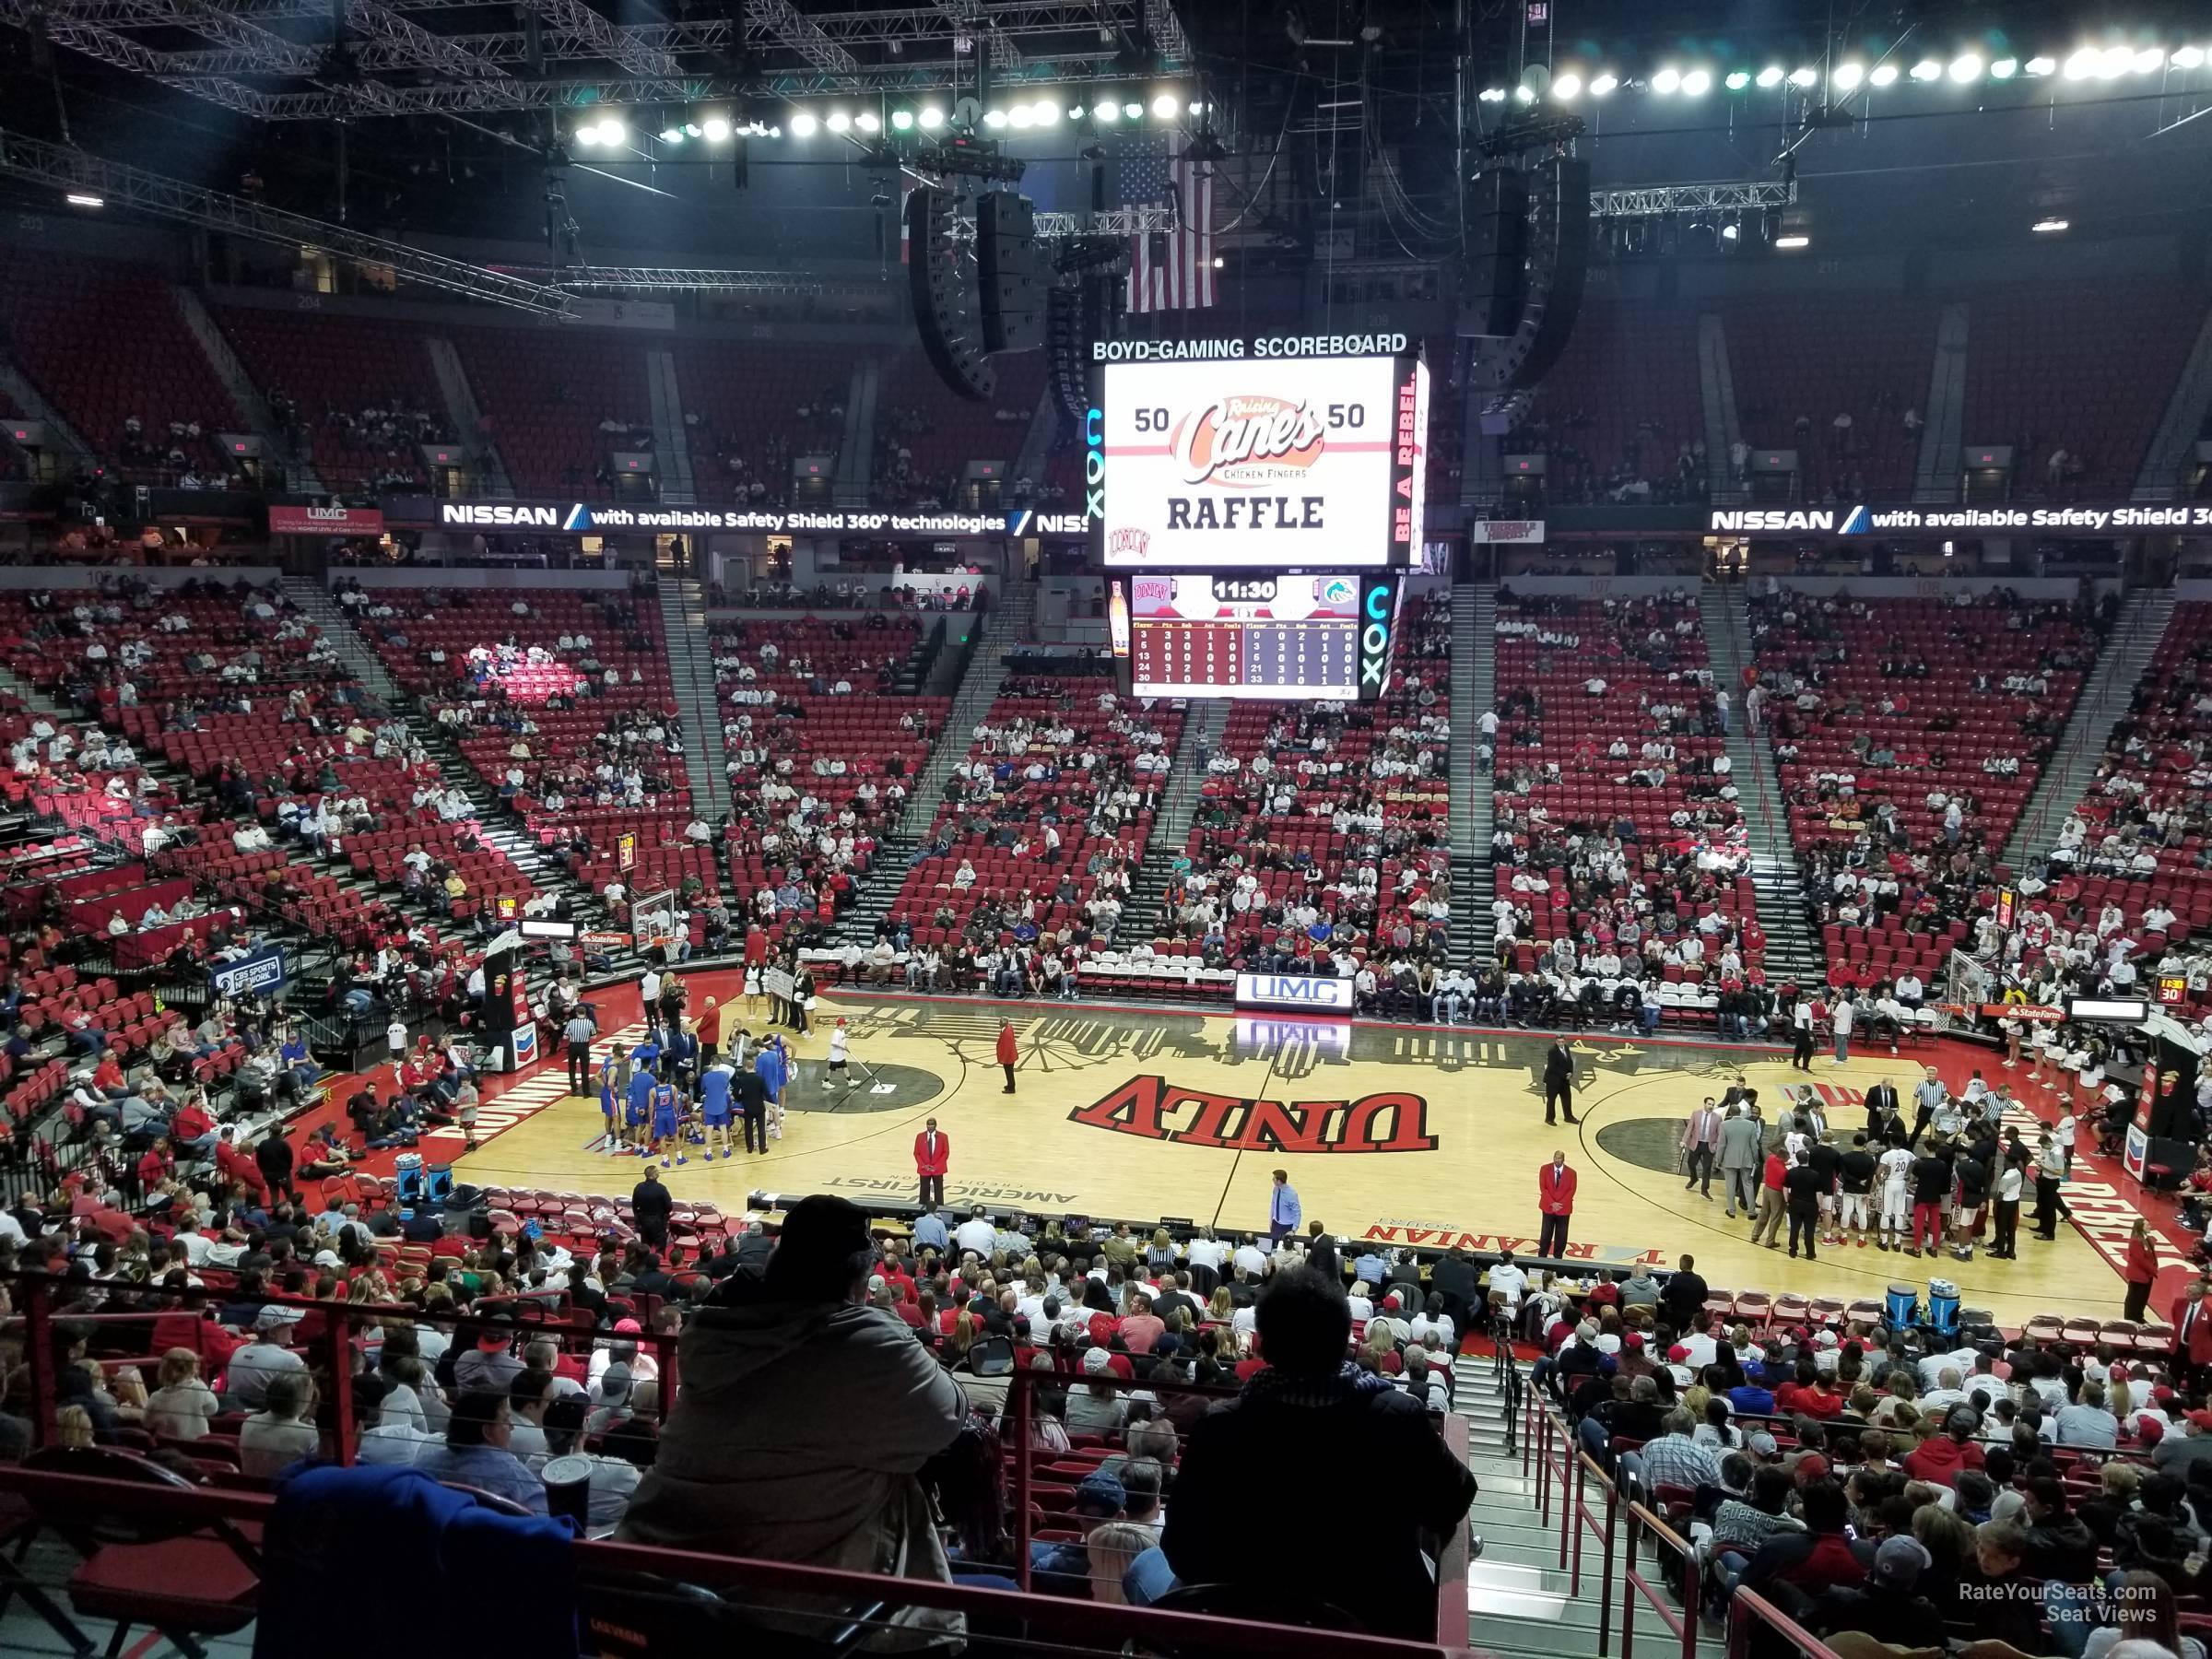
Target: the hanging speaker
(1497, 275)
(1012, 272)
(1557, 266)
(941, 279)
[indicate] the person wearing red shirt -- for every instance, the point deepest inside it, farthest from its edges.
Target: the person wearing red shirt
(1010, 1052)
(1808, 1396)
(1767, 1229)
(154, 1166)
(107, 1074)
(1939, 1457)
(2140, 1273)
(239, 1167)
(1555, 1201)
(193, 1129)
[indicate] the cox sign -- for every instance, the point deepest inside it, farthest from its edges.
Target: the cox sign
(1296, 994)
(1378, 610)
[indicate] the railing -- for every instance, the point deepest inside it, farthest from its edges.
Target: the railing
(1564, 1471)
(40, 1300)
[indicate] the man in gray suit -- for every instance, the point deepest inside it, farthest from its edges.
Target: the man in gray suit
(1741, 1153)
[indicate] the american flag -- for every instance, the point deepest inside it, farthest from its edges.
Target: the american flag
(1177, 274)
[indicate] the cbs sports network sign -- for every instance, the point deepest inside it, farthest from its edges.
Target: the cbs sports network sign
(1289, 452)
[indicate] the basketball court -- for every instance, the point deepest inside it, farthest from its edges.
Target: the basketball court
(1394, 1134)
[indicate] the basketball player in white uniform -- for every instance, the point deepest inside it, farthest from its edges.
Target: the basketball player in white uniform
(1894, 1171)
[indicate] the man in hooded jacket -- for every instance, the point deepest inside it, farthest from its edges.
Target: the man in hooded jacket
(804, 1417)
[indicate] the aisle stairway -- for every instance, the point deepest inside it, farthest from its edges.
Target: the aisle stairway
(2104, 698)
(1474, 694)
(1004, 626)
(314, 601)
(463, 416)
(1792, 956)
(296, 467)
(1519, 1601)
(671, 440)
(691, 670)
(1203, 724)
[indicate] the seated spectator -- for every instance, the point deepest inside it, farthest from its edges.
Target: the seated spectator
(805, 1416)
(279, 1436)
(1301, 1444)
(181, 1407)
(476, 1453)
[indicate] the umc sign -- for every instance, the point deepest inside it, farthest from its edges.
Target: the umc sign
(1295, 994)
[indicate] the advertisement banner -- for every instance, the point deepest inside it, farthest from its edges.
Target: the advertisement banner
(1903, 521)
(1273, 464)
(326, 521)
(2138, 1150)
(1295, 994)
(601, 518)
(1499, 532)
(250, 976)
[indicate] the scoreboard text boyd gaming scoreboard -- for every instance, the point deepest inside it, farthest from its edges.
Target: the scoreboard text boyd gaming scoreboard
(1253, 494)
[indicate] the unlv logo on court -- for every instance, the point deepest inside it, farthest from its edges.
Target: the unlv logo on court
(1157, 1110)
(1248, 439)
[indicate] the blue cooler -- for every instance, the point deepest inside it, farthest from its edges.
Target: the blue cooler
(407, 1169)
(438, 1184)
(1943, 1305)
(1900, 1307)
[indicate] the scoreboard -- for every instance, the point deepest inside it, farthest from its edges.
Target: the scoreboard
(1288, 636)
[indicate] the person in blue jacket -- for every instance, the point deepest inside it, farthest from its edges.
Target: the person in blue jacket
(773, 1066)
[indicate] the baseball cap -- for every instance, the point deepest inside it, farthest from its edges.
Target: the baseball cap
(2200, 1419)
(1097, 1362)
(1826, 1339)
(1899, 1563)
(1679, 1353)
(1962, 1420)
(2162, 1393)
(1102, 1491)
(1811, 1467)
(1762, 1445)
(2149, 1432)
(1634, 1339)
(629, 1327)
(275, 1314)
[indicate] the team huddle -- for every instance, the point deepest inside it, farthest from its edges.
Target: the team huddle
(673, 1091)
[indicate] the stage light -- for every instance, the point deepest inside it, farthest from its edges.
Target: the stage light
(80, 198)
(2048, 227)
(2115, 62)
(1772, 75)
(1848, 77)
(1135, 111)
(1882, 75)
(1566, 87)
(1668, 80)
(1219, 262)
(1524, 94)
(1493, 95)
(2150, 60)
(1696, 83)
(587, 135)
(1164, 106)
(1965, 67)
(2003, 69)
(691, 129)
(1805, 74)
(1794, 240)
(839, 121)
(2041, 65)
(1603, 85)
(1927, 69)
(994, 119)
(671, 135)
(1107, 109)
(867, 121)
(1077, 112)
(803, 125)
(1197, 109)
(931, 119)
(1021, 117)
(903, 121)
(2188, 57)
(1730, 233)
(1737, 79)
(1047, 111)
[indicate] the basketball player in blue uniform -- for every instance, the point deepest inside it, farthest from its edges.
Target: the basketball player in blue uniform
(714, 1108)
(610, 1104)
(665, 1125)
(775, 1069)
(641, 1085)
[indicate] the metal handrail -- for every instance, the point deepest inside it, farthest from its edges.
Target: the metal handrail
(1682, 1622)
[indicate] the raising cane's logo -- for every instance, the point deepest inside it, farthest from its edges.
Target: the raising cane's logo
(1155, 1109)
(1248, 440)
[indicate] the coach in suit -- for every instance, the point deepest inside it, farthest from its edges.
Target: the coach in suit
(1555, 1198)
(1881, 1106)
(1741, 1155)
(1701, 1143)
(1559, 1081)
(932, 1156)
(2192, 1322)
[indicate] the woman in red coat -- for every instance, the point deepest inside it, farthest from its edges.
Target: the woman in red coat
(2141, 1271)
(1009, 1055)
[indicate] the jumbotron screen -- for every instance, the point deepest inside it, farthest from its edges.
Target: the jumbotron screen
(1280, 464)
(1290, 637)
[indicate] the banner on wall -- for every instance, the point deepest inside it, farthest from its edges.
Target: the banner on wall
(249, 976)
(1498, 532)
(602, 518)
(1905, 521)
(326, 521)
